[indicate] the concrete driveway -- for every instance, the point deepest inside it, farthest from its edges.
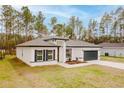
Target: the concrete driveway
(109, 64)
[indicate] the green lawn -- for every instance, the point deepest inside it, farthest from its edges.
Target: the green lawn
(114, 59)
(14, 73)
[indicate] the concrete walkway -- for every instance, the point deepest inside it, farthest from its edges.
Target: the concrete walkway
(109, 64)
(103, 63)
(74, 65)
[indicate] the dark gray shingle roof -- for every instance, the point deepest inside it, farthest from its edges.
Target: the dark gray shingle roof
(79, 43)
(69, 43)
(37, 42)
(111, 44)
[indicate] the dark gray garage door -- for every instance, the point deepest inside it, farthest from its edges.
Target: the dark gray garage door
(90, 55)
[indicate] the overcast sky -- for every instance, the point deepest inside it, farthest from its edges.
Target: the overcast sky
(64, 12)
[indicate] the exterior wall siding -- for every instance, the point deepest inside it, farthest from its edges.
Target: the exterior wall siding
(62, 50)
(29, 55)
(119, 52)
(24, 54)
(79, 53)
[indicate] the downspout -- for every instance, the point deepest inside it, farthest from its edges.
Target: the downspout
(58, 54)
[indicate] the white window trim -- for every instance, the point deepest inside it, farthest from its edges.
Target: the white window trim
(51, 54)
(71, 53)
(42, 56)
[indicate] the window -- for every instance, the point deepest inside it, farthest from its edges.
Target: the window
(68, 53)
(39, 55)
(50, 54)
(44, 55)
(106, 54)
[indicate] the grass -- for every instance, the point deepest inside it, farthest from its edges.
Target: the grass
(114, 59)
(14, 73)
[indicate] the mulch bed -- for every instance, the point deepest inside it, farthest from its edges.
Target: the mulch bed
(74, 62)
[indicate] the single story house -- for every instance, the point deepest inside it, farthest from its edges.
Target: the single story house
(51, 50)
(112, 49)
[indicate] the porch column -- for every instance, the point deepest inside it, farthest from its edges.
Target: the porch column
(64, 51)
(98, 54)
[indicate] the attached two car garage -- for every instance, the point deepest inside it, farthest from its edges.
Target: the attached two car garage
(90, 55)
(84, 51)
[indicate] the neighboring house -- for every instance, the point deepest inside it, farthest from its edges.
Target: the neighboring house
(112, 49)
(51, 50)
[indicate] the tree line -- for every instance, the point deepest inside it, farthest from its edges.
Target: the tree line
(18, 26)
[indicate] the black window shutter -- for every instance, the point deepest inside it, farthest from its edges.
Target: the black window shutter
(53, 54)
(44, 55)
(35, 56)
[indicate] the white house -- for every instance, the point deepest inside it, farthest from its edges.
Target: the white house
(112, 49)
(51, 50)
